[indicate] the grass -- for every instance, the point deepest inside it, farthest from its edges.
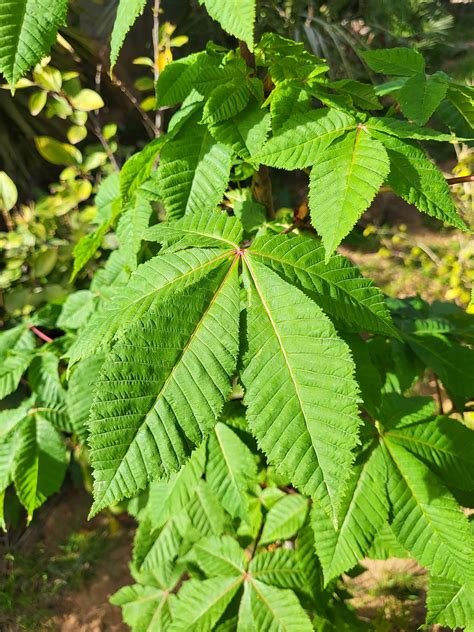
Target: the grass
(31, 582)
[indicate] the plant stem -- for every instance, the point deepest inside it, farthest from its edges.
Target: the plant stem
(95, 127)
(257, 540)
(156, 58)
(460, 179)
(438, 393)
(40, 334)
(262, 189)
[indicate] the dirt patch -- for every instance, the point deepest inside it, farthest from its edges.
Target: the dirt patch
(59, 574)
(89, 610)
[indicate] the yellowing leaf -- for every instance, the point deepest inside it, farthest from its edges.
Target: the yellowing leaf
(57, 153)
(76, 133)
(8, 192)
(87, 100)
(36, 102)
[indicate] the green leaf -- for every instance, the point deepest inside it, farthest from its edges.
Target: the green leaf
(28, 29)
(420, 97)
(166, 499)
(287, 100)
(220, 557)
(394, 61)
(58, 153)
(177, 79)
(145, 608)
(127, 13)
(303, 414)
(452, 362)
(194, 171)
(77, 309)
(279, 568)
(244, 133)
(337, 286)
(138, 167)
(418, 181)
(275, 610)
(426, 519)
(43, 377)
(80, 390)
(226, 101)
(343, 183)
(386, 545)
(155, 389)
(303, 138)
(445, 445)
(132, 227)
(449, 603)
(229, 469)
(285, 518)
(362, 94)
(212, 229)
(202, 603)
(17, 347)
(363, 512)
(151, 283)
(40, 462)
(403, 129)
(206, 513)
(154, 546)
(237, 17)
(462, 100)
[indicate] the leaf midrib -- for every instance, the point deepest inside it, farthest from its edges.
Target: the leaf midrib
(167, 380)
(289, 367)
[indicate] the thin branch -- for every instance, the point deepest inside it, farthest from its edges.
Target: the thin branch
(450, 181)
(95, 127)
(150, 127)
(257, 540)
(460, 179)
(156, 58)
(40, 334)
(439, 395)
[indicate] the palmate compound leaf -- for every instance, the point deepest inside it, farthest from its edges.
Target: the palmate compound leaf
(201, 603)
(304, 136)
(300, 391)
(28, 28)
(418, 181)
(152, 282)
(145, 608)
(427, 521)
(214, 229)
(337, 286)
(163, 386)
(194, 170)
(364, 511)
(343, 183)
